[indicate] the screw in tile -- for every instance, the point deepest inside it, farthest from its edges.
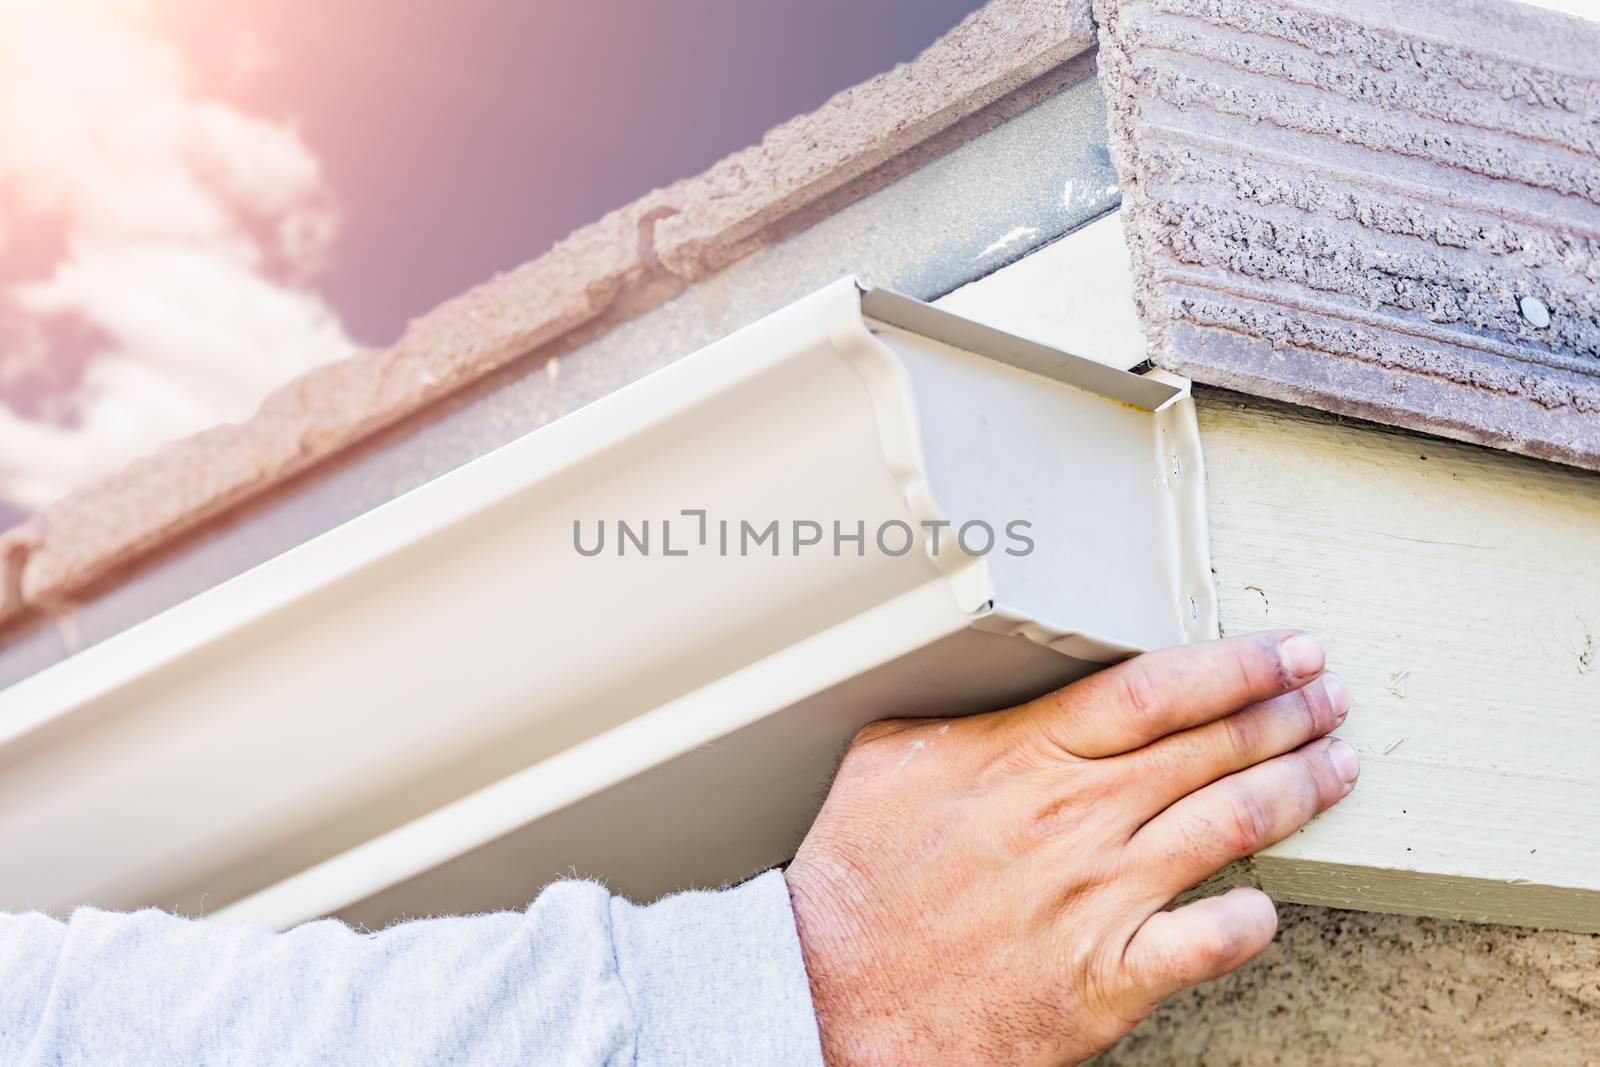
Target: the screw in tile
(1534, 311)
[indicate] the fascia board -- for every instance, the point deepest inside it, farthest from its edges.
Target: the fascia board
(402, 667)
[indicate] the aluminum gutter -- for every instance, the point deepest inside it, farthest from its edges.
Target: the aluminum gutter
(442, 702)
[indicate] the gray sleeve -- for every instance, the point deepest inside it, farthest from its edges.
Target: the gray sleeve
(580, 978)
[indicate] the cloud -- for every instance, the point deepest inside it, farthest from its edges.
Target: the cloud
(156, 248)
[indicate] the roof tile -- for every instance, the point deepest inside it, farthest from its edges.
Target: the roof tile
(1352, 213)
(998, 49)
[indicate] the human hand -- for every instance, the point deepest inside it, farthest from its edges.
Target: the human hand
(991, 889)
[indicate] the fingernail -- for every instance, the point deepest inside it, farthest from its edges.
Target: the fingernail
(1345, 761)
(1301, 655)
(1338, 696)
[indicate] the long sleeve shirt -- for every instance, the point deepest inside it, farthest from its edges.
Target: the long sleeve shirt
(578, 978)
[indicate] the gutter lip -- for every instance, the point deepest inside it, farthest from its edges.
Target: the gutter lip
(897, 309)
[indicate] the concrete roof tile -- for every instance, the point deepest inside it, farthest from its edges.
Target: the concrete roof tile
(736, 203)
(1367, 213)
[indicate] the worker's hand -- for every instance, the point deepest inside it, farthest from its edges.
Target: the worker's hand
(991, 890)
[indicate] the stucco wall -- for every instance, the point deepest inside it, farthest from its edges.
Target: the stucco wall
(1353, 988)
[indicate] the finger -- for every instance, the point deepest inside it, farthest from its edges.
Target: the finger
(1127, 706)
(1242, 814)
(1200, 941)
(1178, 764)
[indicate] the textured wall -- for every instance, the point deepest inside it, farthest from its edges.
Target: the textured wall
(1350, 988)
(1354, 206)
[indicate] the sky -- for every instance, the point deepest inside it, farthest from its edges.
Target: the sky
(200, 200)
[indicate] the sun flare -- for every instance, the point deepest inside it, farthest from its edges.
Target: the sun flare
(156, 243)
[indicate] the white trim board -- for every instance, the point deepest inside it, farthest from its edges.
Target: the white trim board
(1458, 591)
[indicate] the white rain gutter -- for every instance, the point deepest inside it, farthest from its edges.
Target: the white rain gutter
(443, 704)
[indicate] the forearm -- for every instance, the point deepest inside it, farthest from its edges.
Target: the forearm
(579, 978)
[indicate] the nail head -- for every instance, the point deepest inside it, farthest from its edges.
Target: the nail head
(1534, 311)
